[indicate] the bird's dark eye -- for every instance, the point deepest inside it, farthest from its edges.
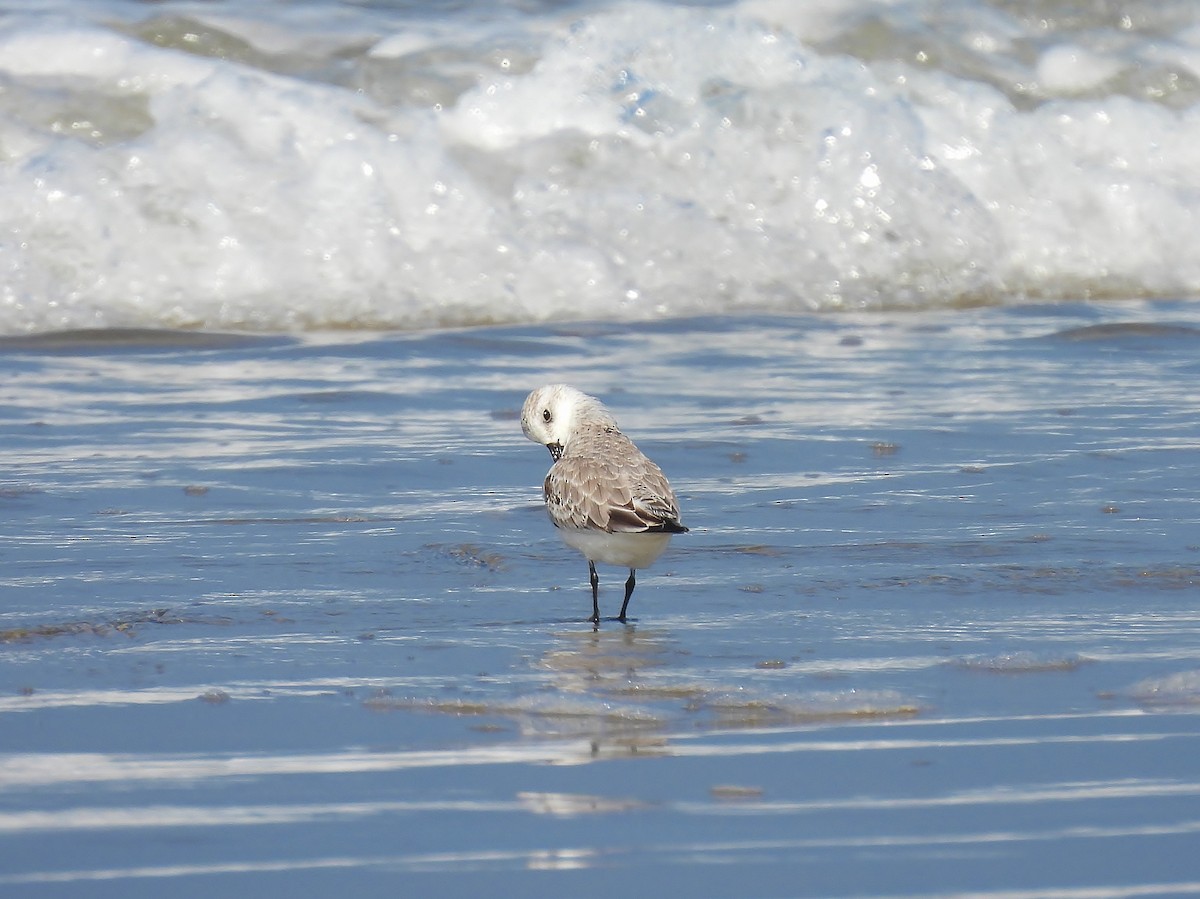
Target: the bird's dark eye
(545, 415)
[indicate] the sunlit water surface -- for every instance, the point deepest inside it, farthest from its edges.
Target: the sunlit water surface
(285, 617)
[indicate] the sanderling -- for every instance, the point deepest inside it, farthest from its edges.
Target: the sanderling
(607, 499)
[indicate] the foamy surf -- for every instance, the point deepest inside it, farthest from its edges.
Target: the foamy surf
(277, 168)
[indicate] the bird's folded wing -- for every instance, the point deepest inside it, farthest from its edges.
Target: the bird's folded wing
(591, 492)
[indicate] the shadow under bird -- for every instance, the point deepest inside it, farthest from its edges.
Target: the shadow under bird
(606, 499)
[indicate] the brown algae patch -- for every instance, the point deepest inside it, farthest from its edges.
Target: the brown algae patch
(123, 625)
(27, 634)
(1021, 663)
(667, 691)
(734, 792)
(732, 710)
(1170, 577)
(471, 555)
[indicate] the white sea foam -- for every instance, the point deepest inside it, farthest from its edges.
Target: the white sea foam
(290, 167)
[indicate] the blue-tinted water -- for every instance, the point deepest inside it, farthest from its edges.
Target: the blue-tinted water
(284, 615)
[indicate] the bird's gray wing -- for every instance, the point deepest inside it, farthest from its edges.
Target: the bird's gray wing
(618, 492)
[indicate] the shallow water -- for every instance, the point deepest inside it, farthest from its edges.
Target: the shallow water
(284, 615)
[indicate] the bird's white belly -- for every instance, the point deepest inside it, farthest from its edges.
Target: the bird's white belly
(630, 550)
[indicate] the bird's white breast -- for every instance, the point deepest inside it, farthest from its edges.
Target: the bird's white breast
(629, 550)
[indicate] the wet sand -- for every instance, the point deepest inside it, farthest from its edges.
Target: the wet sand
(285, 616)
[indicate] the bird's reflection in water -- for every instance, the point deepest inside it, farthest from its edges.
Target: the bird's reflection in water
(594, 659)
(606, 669)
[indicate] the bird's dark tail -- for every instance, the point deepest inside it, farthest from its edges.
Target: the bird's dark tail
(670, 527)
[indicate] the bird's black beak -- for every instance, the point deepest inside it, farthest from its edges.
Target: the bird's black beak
(556, 450)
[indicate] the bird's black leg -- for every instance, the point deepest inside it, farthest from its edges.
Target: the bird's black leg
(595, 579)
(629, 585)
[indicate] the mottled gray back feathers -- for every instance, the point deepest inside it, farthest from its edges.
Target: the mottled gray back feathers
(605, 482)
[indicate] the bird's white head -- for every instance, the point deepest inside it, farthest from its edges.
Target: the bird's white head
(552, 414)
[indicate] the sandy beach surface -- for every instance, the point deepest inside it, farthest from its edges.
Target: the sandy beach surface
(284, 616)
